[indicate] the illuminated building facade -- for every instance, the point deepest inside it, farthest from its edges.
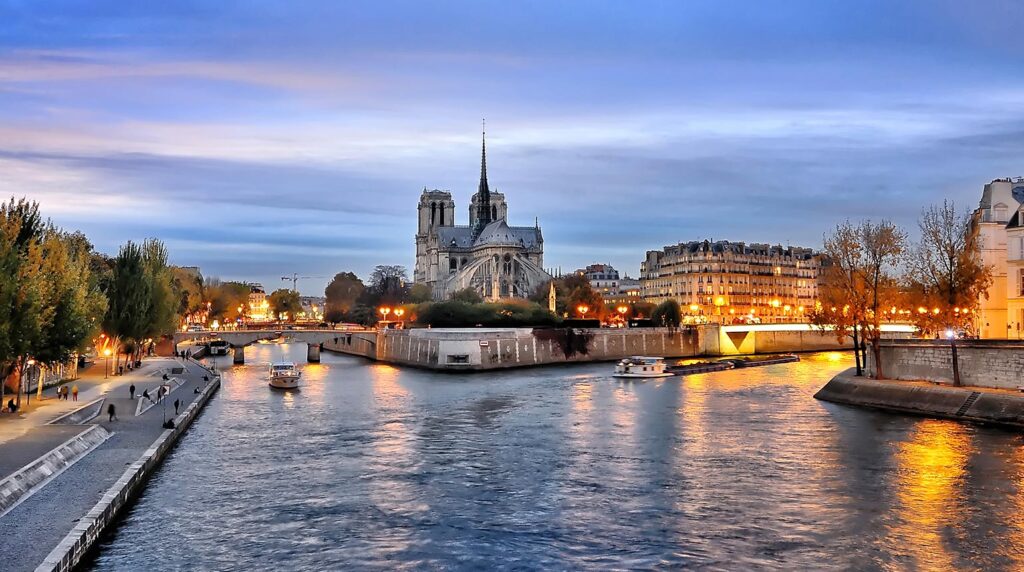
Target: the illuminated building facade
(732, 281)
(997, 222)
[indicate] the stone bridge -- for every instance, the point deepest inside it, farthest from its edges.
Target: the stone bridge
(238, 339)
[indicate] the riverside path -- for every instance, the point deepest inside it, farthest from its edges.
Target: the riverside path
(34, 527)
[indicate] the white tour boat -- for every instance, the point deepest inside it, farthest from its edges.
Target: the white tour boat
(283, 375)
(641, 366)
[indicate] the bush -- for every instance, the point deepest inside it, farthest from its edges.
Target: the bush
(667, 314)
(458, 314)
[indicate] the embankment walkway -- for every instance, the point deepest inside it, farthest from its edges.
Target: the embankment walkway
(41, 521)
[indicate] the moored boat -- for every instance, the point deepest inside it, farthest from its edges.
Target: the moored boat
(284, 375)
(641, 366)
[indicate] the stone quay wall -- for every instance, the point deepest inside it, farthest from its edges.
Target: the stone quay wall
(499, 348)
(84, 535)
(979, 405)
(983, 363)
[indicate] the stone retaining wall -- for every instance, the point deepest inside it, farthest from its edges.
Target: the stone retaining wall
(87, 531)
(983, 363)
(30, 478)
(498, 348)
(961, 403)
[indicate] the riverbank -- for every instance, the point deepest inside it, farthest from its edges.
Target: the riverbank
(85, 496)
(986, 405)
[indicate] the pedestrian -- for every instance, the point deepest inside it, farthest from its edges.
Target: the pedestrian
(11, 406)
(74, 392)
(177, 403)
(145, 395)
(131, 391)
(110, 412)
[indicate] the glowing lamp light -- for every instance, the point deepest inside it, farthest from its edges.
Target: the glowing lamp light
(694, 307)
(399, 312)
(950, 334)
(106, 352)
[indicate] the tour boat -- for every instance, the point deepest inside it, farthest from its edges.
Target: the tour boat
(283, 375)
(219, 348)
(640, 366)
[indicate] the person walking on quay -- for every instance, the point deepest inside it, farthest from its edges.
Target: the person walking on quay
(177, 403)
(131, 391)
(145, 395)
(74, 392)
(110, 412)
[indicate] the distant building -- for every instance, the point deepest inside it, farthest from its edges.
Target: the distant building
(259, 306)
(1000, 202)
(489, 256)
(731, 281)
(312, 308)
(606, 280)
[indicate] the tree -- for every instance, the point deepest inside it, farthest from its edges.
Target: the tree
(946, 276)
(419, 293)
(162, 312)
(342, 292)
(73, 294)
(667, 314)
(859, 284)
(188, 290)
(225, 298)
(388, 285)
(285, 301)
(571, 292)
(23, 286)
(129, 297)
(467, 295)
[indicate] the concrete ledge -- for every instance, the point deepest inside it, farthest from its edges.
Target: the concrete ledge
(36, 474)
(82, 415)
(974, 404)
(70, 551)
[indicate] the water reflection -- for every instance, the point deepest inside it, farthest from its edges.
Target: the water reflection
(568, 468)
(931, 467)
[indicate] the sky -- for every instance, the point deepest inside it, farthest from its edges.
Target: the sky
(262, 139)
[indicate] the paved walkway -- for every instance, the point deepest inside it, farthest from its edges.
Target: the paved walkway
(35, 526)
(27, 435)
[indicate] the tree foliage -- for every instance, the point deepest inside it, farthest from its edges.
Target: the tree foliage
(859, 281)
(571, 292)
(342, 292)
(946, 276)
(667, 314)
(284, 301)
(388, 286)
(459, 314)
(467, 295)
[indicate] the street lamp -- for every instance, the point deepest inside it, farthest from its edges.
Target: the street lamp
(583, 309)
(106, 368)
(28, 394)
(384, 311)
(399, 312)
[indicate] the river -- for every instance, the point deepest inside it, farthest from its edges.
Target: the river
(376, 467)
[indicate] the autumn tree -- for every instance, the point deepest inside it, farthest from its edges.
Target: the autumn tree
(859, 284)
(388, 285)
(946, 276)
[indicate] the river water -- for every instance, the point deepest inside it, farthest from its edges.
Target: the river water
(375, 467)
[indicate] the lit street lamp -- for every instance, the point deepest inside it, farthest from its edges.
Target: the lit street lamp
(399, 312)
(384, 311)
(106, 368)
(583, 309)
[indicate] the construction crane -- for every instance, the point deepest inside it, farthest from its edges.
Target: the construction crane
(295, 280)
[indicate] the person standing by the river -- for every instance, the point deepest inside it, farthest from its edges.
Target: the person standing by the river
(110, 413)
(177, 403)
(74, 392)
(131, 391)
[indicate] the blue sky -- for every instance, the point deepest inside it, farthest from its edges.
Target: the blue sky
(259, 139)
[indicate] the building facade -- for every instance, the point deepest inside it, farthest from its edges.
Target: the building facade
(615, 289)
(1000, 201)
(732, 281)
(495, 259)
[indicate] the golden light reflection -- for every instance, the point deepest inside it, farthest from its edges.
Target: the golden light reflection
(930, 469)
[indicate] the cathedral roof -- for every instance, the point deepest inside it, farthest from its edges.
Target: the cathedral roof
(497, 233)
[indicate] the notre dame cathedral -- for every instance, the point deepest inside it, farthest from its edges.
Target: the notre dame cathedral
(489, 256)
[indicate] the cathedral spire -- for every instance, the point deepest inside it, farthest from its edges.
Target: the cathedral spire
(483, 193)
